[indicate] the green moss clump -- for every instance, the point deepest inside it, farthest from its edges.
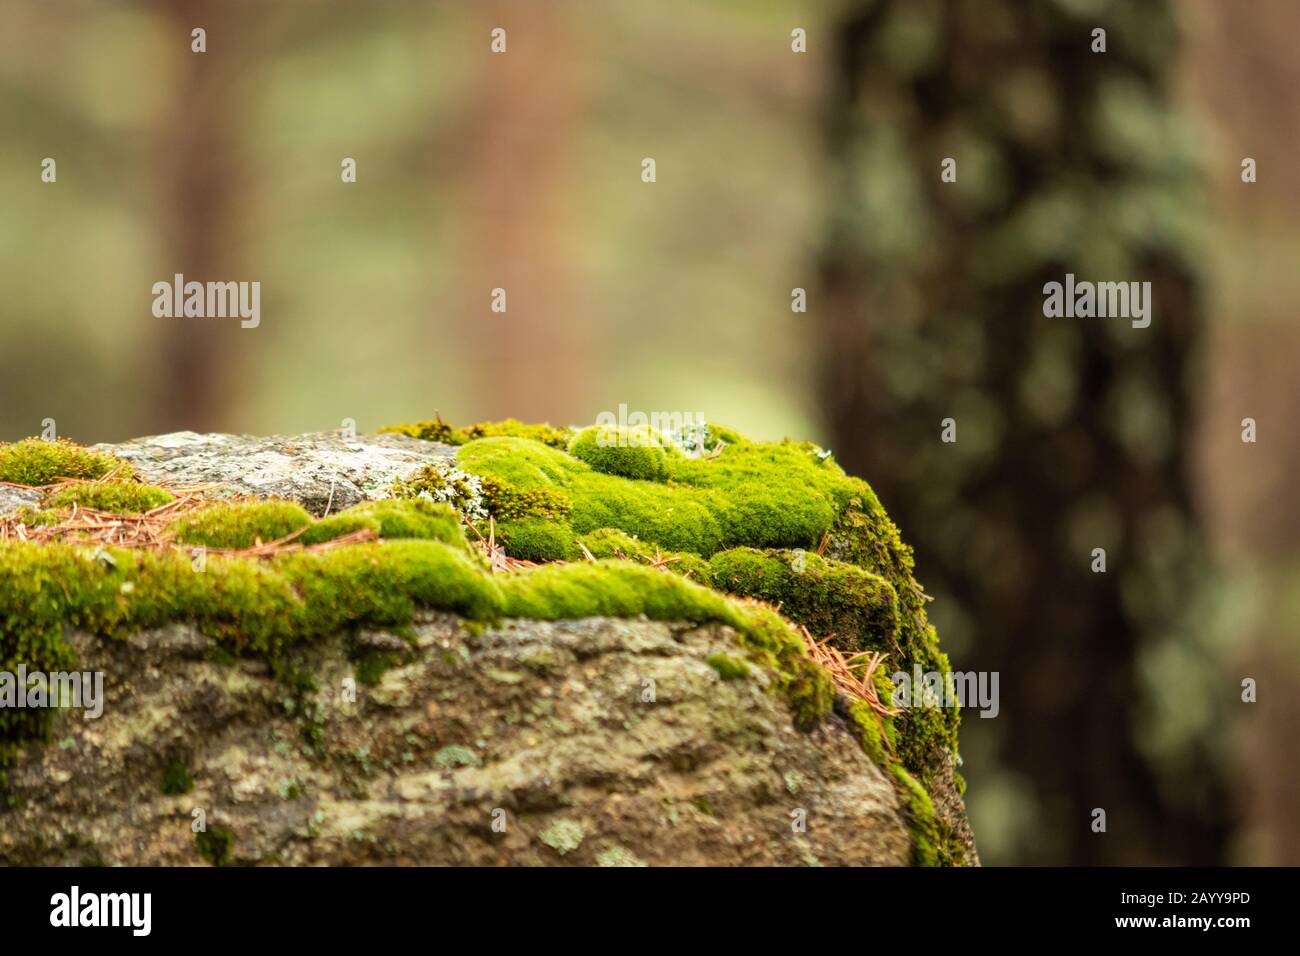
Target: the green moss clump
(440, 431)
(728, 667)
(536, 539)
(34, 461)
(641, 453)
(215, 844)
(760, 495)
(383, 583)
(116, 496)
(506, 503)
(391, 518)
(240, 524)
(176, 779)
(546, 434)
(832, 599)
(337, 526)
(610, 589)
(613, 543)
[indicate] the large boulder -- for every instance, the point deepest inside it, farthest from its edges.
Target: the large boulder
(591, 686)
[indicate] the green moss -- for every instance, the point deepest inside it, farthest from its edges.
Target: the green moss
(338, 526)
(610, 589)
(176, 779)
(765, 496)
(240, 524)
(872, 732)
(36, 518)
(371, 666)
(505, 502)
(264, 606)
(920, 811)
(613, 543)
(728, 667)
(536, 539)
(760, 495)
(215, 844)
(116, 496)
(440, 431)
(415, 518)
(865, 536)
(831, 598)
(248, 605)
(546, 434)
(927, 733)
(640, 454)
(34, 461)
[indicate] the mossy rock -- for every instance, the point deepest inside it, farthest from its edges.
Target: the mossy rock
(758, 539)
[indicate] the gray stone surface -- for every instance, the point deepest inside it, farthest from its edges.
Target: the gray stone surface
(540, 726)
(320, 470)
(12, 498)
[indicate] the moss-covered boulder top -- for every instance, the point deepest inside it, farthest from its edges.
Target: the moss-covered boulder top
(268, 552)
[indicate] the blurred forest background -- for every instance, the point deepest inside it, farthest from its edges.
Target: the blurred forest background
(776, 170)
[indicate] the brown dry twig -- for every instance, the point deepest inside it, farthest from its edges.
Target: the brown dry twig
(858, 686)
(498, 560)
(660, 561)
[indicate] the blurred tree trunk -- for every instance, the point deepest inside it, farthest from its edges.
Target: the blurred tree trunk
(200, 183)
(1072, 434)
(518, 166)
